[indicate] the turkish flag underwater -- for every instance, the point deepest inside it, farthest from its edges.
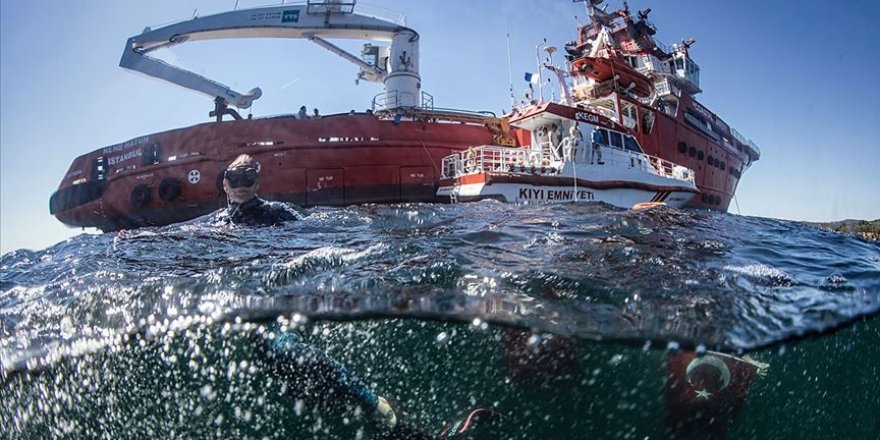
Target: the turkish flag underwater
(704, 394)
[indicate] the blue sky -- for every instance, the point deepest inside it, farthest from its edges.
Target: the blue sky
(797, 77)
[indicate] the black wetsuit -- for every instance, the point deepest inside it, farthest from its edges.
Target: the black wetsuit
(259, 212)
(309, 371)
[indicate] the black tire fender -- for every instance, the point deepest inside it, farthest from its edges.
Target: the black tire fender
(140, 196)
(169, 189)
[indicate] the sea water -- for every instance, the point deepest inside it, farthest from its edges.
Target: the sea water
(571, 321)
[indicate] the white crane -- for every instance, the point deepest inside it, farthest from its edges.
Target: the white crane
(397, 66)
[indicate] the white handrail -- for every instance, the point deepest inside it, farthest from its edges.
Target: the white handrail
(493, 158)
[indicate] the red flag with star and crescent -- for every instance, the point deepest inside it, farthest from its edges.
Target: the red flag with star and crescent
(704, 394)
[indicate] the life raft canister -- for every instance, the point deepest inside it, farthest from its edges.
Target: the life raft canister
(169, 189)
(140, 196)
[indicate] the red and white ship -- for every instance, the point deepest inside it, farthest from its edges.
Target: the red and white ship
(618, 70)
(616, 79)
(557, 168)
(391, 153)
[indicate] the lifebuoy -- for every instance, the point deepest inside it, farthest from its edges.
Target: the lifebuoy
(140, 196)
(169, 189)
(647, 205)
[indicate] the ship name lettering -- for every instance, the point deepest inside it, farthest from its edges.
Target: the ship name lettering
(584, 116)
(555, 194)
(585, 195)
(559, 194)
(113, 160)
(530, 193)
(125, 145)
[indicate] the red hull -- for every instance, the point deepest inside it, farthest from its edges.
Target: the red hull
(173, 176)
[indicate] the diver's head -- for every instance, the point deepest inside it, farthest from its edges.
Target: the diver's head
(242, 179)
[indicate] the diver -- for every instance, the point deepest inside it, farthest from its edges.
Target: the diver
(241, 182)
(309, 371)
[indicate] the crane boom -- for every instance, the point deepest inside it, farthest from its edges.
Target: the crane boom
(315, 21)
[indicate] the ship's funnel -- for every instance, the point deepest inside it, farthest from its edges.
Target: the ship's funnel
(403, 83)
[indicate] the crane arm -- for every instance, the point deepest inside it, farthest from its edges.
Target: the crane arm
(286, 21)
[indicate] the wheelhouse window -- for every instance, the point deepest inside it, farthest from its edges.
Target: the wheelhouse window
(616, 139)
(631, 144)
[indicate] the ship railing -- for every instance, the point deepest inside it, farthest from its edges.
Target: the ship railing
(662, 87)
(623, 158)
(398, 99)
(667, 169)
(493, 158)
(664, 47)
(742, 139)
(347, 7)
(330, 6)
(754, 147)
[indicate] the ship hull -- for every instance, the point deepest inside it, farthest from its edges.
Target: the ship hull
(176, 175)
(718, 165)
(505, 189)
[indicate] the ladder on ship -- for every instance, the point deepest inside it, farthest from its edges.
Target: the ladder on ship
(453, 195)
(548, 150)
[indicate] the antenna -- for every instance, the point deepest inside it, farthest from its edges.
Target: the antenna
(552, 68)
(509, 65)
(538, 72)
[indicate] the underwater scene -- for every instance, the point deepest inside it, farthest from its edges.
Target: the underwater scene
(483, 320)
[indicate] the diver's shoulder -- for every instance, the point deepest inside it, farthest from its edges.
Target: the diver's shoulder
(285, 210)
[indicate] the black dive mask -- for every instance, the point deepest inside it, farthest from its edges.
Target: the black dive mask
(241, 177)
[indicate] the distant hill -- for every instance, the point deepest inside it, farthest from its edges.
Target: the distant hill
(869, 229)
